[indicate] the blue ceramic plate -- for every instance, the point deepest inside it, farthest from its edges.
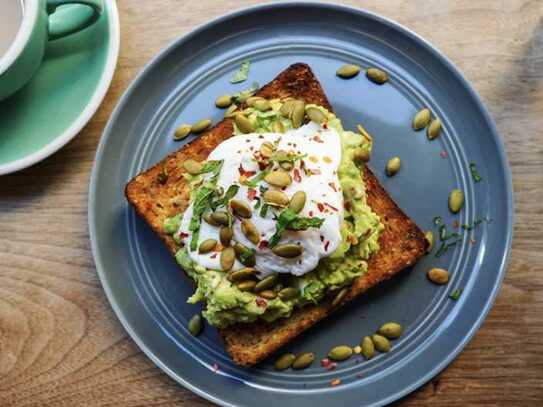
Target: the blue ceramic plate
(148, 291)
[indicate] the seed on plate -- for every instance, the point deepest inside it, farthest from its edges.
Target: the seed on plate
(390, 330)
(315, 115)
(247, 285)
(277, 127)
(200, 126)
(181, 132)
(438, 276)
(206, 246)
(289, 250)
(230, 111)
(278, 178)
(340, 296)
(288, 293)
(393, 166)
(341, 352)
(267, 282)
(377, 75)
(348, 71)
(196, 325)
(298, 113)
(368, 349)
(242, 274)
(297, 202)
(250, 231)
(193, 167)
(225, 235)
(303, 361)
(284, 361)
(456, 200)
(240, 208)
(268, 294)
(429, 236)
(361, 154)
(276, 198)
(223, 101)
(381, 343)
(266, 149)
(262, 104)
(421, 119)
(228, 257)
(219, 217)
(244, 124)
(434, 129)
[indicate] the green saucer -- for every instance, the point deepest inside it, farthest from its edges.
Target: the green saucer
(62, 97)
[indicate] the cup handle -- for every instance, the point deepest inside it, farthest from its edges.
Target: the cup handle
(73, 19)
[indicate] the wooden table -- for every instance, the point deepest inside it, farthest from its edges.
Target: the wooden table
(61, 344)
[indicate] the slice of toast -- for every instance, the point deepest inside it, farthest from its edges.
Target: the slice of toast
(401, 243)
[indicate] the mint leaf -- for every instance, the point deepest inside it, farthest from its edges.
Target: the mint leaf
(240, 97)
(288, 219)
(253, 182)
(243, 72)
(305, 223)
(201, 203)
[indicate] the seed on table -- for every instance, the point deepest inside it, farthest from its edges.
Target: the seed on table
(368, 349)
(393, 166)
(284, 361)
(196, 325)
(223, 101)
(390, 330)
(181, 132)
(381, 343)
(438, 276)
(456, 200)
(348, 71)
(340, 353)
(303, 361)
(200, 126)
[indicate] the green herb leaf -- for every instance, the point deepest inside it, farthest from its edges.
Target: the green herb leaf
(438, 220)
(280, 156)
(243, 72)
(305, 223)
(264, 210)
(442, 232)
(229, 194)
(262, 189)
(253, 182)
(246, 255)
(258, 202)
(473, 225)
(240, 97)
(474, 173)
(202, 201)
(455, 295)
(288, 219)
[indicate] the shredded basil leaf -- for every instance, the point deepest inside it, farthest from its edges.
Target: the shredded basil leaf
(438, 220)
(262, 189)
(305, 223)
(471, 226)
(474, 173)
(246, 255)
(243, 72)
(229, 194)
(264, 210)
(240, 97)
(201, 203)
(455, 295)
(258, 202)
(288, 219)
(442, 232)
(253, 182)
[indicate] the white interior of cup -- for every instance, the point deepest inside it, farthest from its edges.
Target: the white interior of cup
(30, 16)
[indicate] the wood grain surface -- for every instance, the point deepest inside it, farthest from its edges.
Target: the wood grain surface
(61, 344)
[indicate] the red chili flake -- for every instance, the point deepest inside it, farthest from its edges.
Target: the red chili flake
(242, 171)
(456, 224)
(215, 367)
(332, 366)
(335, 382)
(318, 139)
(326, 245)
(251, 194)
(333, 186)
(330, 206)
(325, 362)
(443, 154)
(297, 176)
(310, 214)
(320, 207)
(325, 126)
(214, 255)
(263, 244)
(359, 375)
(183, 235)
(261, 302)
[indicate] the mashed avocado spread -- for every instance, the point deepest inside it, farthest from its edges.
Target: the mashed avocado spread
(226, 304)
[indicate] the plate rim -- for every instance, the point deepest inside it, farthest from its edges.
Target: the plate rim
(88, 111)
(509, 222)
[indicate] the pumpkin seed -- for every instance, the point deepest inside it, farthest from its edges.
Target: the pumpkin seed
(381, 343)
(298, 113)
(206, 246)
(303, 361)
(240, 208)
(377, 75)
(286, 165)
(438, 276)
(228, 257)
(340, 353)
(297, 202)
(252, 99)
(434, 129)
(276, 198)
(247, 285)
(240, 250)
(209, 220)
(361, 154)
(368, 349)
(289, 250)
(284, 361)
(244, 124)
(278, 178)
(421, 119)
(340, 296)
(348, 71)
(266, 149)
(225, 235)
(223, 101)
(242, 274)
(181, 132)
(193, 167)
(277, 127)
(456, 200)
(200, 126)
(268, 294)
(250, 231)
(287, 107)
(267, 282)
(262, 104)
(393, 166)
(196, 325)
(288, 293)
(230, 111)
(219, 217)
(390, 330)
(429, 236)
(315, 115)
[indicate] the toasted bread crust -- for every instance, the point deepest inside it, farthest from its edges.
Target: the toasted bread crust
(401, 243)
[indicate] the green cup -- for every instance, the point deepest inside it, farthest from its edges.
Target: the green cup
(43, 20)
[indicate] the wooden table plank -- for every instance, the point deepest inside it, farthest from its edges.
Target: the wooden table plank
(61, 345)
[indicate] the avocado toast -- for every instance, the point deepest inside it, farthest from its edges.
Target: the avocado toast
(158, 197)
